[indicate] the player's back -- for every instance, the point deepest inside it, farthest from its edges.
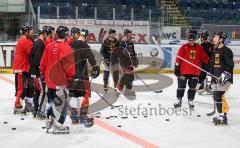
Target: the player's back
(56, 63)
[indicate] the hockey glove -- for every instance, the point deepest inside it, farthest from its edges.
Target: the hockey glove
(95, 71)
(177, 70)
(60, 90)
(209, 80)
(225, 76)
(135, 62)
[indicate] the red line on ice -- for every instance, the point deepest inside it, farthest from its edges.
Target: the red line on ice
(111, 128)
(7, 80)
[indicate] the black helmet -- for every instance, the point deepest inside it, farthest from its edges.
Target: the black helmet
(222, 35)
(52, 28)
(25, 28)
(84, 32)
(62, 32)
(44, 27)
(47, 29)
(127, 31)
(38, 32)
(111, 31)
(192, 35)
(75, 30)
(204, 34)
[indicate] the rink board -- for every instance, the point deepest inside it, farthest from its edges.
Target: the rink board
(152, 59)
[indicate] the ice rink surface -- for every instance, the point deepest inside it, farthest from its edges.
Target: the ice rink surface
(185, 130)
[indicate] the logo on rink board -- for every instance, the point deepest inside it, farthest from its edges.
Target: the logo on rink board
(6, 56)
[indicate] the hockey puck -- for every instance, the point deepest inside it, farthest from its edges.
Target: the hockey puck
(124, 117)
(107, 118)
(198, 115)
(13, 128)
(5, 122)
(115, 116)
(135, 117)
(43, 127)
(111, 116)
(145, 116)
(119, 126)
(22, 118)
(97, 116)
(149, 104)
(167, 119)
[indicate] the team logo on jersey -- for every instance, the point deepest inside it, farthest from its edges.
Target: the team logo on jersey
(54, 51)
(192, 54)
(217, 60)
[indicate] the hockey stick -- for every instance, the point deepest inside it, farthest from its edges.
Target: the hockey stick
(112, 106)
(156, 91)
(208, 73)
(214, 110)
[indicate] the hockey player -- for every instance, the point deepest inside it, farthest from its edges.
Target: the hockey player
(21, 67)
(49, 37)
(49, 34)
(35, 58)
(83, 55)
(109, 51)
(207, 46)
(185, 72)
(56, 66)
(75, 32)
(128, 62)
(221, 66)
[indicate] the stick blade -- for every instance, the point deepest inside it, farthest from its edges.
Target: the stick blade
(212, 113)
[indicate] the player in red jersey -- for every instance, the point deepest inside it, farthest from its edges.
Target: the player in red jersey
(21, 67)
(187, 73)
(49, 34)
(57, 66)
(75, 33)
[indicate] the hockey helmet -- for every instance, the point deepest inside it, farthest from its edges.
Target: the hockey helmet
(47, 29)
(75, 30)
(62, 32)
(84, 32)
(127, 31)
(222, 35)
(192, 35)
(204, 34)
(110, 31)
(25, 28)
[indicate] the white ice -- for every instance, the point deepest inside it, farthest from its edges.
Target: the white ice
(179, 132)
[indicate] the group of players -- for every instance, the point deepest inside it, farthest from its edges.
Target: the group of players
(205, 67)
(55, 66)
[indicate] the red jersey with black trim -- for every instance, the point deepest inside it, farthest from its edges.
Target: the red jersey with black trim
(21, 55)
(57, 64)
(194, 54)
